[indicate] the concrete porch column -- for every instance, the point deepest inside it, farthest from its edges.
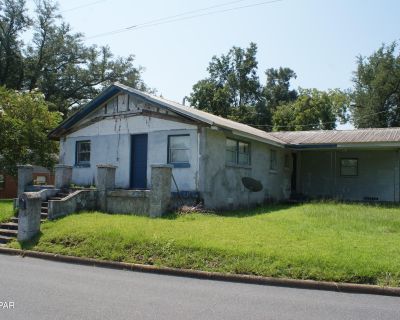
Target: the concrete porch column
(105, 183)
(25, 178)
(160, 196)
(29, 215)
(63, 176)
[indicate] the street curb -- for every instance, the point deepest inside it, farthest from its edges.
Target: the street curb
(280, 282)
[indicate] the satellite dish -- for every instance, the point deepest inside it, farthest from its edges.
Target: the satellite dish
(252, 184)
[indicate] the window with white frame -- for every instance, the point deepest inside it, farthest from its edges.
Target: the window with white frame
(2, 181)
(179, 150)
(349, 167)
(83, 153)
(273, 161)
(41, 180)
(237, 152)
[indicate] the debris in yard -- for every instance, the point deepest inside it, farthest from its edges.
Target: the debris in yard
(194, 209)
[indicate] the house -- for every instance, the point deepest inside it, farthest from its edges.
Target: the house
(8, 183)
(211, 155)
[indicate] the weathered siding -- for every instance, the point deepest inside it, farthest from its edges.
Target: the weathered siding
(378, 175)
(221, 183)
(111, 144)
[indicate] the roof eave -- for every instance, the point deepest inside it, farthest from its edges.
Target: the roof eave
(59, 131)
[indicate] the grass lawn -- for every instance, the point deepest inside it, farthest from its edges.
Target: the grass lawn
(321, 241)
(6, 210)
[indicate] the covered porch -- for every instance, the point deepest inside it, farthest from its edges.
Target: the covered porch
(347, 173)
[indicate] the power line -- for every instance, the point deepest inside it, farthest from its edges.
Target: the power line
(83, 6)
(183, 16)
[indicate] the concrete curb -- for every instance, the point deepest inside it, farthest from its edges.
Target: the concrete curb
(281, 282)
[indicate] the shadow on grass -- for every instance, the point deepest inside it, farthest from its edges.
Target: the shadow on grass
(238, 213)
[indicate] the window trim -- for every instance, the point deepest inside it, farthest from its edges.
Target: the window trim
(177, 164)
(273, 151)
(85, 163)
(236, 163)
(348, 175)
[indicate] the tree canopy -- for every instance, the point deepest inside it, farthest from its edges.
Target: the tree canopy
(312, 110)
(233, 90)
(25, 121)
(376, 91)
(56, 61)
(232, 87)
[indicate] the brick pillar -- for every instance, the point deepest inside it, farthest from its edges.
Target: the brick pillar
(160, 196)
(105, 182)
(25, 178)
(29, 215)
(63, 176)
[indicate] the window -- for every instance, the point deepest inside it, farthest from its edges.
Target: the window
(237, 152)
(348, 167)
(273, 161)
(41, 180)
(179, 150)
(83, 153)
(2, 181)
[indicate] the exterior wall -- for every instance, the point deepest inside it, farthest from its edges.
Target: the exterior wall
(111, 144)
(378, 175)
(10, 187)
(221, 183)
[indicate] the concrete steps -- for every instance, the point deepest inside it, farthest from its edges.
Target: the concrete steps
(9, 230)
(4, 240)
(9, 226)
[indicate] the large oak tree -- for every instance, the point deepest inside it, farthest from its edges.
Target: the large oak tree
(57, 61)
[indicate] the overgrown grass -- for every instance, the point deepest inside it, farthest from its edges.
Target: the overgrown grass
(321, 241)
(6, 210)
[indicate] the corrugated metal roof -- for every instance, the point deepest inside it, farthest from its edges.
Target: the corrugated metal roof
(339, 136)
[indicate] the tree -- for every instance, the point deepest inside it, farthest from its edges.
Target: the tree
(377, 89)
(232, 88)
(57, 62)
(25, 121)
(276, 92)
(13, 21)
(312, 110)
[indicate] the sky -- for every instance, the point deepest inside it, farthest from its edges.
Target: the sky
(318, 39)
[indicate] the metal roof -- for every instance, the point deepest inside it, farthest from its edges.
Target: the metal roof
(370, 135)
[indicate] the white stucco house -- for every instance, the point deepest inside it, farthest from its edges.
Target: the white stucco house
(210, 155)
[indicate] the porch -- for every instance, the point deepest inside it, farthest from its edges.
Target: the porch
(348, 174)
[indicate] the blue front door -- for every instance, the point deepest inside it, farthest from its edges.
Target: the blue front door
(139, 161)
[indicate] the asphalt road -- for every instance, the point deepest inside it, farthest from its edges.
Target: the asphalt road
(52, 290)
